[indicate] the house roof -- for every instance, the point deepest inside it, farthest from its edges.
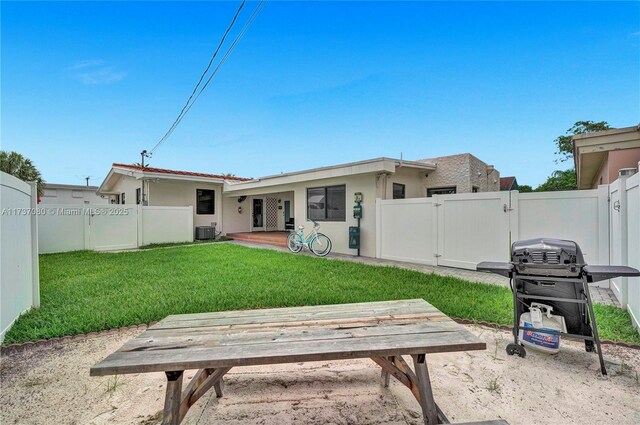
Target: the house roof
(506, 183)
(177, 172)
(375, 165)
(153, 173)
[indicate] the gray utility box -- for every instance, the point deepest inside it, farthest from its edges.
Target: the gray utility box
(204, 232)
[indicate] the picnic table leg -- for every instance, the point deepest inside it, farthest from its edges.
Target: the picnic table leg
(171, 414)
(218, 387)
(428, 404)
(385, 375)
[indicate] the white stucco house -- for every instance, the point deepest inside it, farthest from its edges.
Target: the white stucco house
(280, 202)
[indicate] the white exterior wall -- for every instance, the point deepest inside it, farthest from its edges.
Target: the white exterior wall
(19, 275)
(81, 195)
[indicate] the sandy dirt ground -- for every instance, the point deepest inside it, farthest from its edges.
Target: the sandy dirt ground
(51, 384)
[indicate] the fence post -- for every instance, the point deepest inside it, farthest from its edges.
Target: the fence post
(624, 240)
(139, 225)
(514, 219)
(378, 228)
(35, 268)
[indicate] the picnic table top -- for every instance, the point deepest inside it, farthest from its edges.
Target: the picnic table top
(286, 335)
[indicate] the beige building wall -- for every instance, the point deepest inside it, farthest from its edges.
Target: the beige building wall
(415, 182)
(337, 231)
(183, 193)
(464, 171)
(172, 193)
(127, 185)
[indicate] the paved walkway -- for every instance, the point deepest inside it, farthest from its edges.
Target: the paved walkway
(600, 295)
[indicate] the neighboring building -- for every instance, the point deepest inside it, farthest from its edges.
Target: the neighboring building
(462, 173)
(600, 156)
(282, 201)
(508, 183)
(71, 194)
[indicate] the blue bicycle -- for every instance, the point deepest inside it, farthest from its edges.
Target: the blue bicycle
(317, 243)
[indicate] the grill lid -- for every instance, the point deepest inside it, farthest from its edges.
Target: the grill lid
(546, 256)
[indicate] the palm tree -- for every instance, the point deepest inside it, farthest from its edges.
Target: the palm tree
(18, 166)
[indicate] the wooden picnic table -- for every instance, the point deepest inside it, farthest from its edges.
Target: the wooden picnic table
(213, 343)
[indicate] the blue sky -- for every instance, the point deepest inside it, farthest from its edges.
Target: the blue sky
(312, 84)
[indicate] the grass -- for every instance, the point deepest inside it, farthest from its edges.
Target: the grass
(87, 291)
(195, 242)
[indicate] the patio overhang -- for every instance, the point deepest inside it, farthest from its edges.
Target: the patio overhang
(285, 181)
(591, 150)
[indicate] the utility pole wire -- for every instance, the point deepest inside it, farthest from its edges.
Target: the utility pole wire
(241, 34)
(186, 105)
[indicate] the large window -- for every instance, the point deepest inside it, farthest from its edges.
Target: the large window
(205, 201)
(326, 203)
(398, 191)
(440, 191)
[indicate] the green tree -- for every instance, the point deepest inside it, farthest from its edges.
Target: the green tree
(559, 180)
(17, 165)
(524, 188)
(564, 144)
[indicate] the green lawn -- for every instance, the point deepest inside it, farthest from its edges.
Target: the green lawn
(88, 291)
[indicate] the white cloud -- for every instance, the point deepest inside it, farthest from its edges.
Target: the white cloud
(94, 71)
(86, 63)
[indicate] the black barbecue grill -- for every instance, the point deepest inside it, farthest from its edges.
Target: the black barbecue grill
(553, 272)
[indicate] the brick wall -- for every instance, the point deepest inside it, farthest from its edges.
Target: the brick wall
(464, 171)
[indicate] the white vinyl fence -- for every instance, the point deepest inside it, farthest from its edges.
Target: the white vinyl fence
(462, 230)
(19, 276)
(625, 241)
(63, 228)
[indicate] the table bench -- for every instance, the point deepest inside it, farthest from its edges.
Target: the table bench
(213, 343)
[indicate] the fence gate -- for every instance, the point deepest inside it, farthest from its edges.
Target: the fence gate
(406, 230)
(472, 227)
(115, 230)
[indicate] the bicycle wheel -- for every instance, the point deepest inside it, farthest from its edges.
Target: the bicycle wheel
(320, 245)
(294, 242)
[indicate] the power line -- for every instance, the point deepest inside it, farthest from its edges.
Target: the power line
(186, 105)
(241, 34)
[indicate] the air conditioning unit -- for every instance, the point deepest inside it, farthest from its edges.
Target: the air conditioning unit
(204, 232)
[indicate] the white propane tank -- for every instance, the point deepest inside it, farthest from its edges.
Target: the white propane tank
(540, 317)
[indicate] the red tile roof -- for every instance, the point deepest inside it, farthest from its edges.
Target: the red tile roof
(181, 173)
(506, 183)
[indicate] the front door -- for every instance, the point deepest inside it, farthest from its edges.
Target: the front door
(257, 215)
